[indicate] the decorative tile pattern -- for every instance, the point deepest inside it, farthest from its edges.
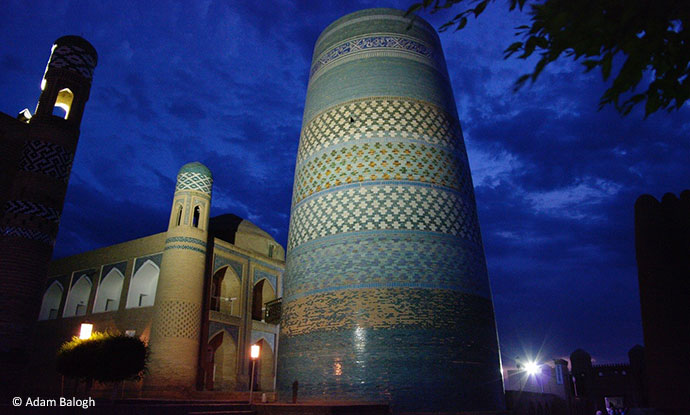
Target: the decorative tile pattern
(155, 258)
(390, 259)
(46, 158)
(269, 337)
(378, 42)
(259, 274)
(380, 117)
(186, 247)
(380, 160)
(386, 276)
(179, 319)
(399, 206)
(220, 261)
(27, 234)
(186, 239)
(120, 266)
(194, 181)
(25, 207)
(73, 58)
(376, 308)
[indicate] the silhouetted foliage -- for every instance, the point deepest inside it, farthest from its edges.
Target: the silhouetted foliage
(649, 36)
(105, 357)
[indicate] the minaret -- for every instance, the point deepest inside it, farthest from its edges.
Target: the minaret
(34, 199)
(177, 308)
(386, 293)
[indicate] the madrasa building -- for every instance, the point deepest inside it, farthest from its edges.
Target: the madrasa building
(383, 294)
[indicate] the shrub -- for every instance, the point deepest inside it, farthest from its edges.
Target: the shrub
(104, 357)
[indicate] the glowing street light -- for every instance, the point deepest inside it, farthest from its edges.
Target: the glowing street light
(532, 368)
(85, 330)
(254, 352)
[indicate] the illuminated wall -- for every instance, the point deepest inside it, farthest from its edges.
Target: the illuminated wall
(386, 294)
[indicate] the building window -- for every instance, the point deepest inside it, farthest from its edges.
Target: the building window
(270, 251)
(78, 297)
(142, 287)
(109, 291)
(197, 214)
(179, 216)
(51, 302)
(63, 103)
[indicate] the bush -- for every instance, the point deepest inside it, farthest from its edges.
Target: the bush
(104, 357)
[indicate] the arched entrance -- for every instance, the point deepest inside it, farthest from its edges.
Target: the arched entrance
(225, 291)
(263, 292)
(221, 362)
(263, 375)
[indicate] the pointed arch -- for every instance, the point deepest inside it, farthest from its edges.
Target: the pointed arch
(263, 380)
(142, 286)
(63, 103)
(222, 363)
(197, 216)
(51, 301)
(262, 293)
(226, 289)
(109, 292)
(78, 297)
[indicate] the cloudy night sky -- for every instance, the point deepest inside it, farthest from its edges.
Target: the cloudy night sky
(224, 83)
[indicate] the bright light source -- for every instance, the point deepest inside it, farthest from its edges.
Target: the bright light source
(85, 331)
(254, 352)
(532, 368)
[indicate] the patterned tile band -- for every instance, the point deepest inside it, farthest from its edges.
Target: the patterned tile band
(374, 42)
(376, 160)
(194, 181)
(183, 247)
(186, 239)
(381, 207)
(380, 117)
(27, 234)
(46, 158)
(73, 58)
(392, 259)
(24, 207)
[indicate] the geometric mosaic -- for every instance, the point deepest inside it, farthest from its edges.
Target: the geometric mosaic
(24, 207)
(46, 158)
(365, 160)
(73, 58)
(389, 206)
(194, 181)
(380, 117)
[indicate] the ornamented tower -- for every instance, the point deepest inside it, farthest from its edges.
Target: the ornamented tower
(386, 293)
(36, 166)
(177, 308)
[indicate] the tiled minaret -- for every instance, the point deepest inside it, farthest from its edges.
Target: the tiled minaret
(386, 294)
(177, 307)
(34, 181)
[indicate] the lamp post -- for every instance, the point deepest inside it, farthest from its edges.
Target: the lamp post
(254, 354)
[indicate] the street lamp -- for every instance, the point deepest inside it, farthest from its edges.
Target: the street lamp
(532, 368)
(253, 354)
(85, 330)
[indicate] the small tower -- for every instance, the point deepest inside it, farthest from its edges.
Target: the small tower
(177, 308)
(34, 189)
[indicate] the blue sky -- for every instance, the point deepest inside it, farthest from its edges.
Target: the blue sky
(224, 83)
